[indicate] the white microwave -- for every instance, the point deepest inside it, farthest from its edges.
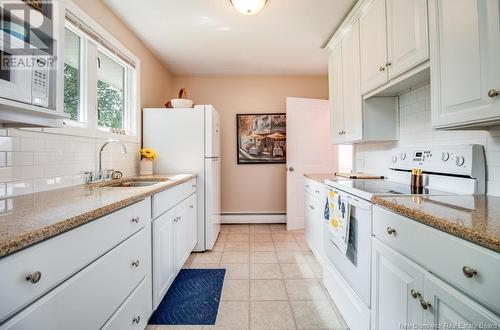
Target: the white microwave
(25, 78)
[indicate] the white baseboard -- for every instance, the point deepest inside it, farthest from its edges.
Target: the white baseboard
(228, 218)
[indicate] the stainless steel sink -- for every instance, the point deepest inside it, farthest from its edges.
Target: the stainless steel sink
(133, 184)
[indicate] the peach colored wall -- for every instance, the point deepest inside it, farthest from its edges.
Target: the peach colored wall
(249, 188)
(156, 80)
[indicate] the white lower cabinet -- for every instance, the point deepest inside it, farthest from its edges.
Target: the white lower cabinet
(394, 279)
(174, 237)
(449, 306)
(313, 217)
(407, 296)
(89, 298)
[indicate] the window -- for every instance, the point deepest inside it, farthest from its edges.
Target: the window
(72, 81)
(110, 92)
(100, 80)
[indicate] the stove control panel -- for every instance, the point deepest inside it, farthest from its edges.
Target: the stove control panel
(460, 160)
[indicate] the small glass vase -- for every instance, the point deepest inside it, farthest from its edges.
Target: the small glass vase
(146, 167)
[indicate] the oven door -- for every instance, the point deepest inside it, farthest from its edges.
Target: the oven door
(355, 265)
(15, 82)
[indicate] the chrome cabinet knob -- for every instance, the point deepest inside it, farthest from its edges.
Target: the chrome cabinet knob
(34, 277)
(391, 231)
(469, 272)
(493, 93)
(311, 207)
(191, 206)
(136, 319)
(135, 263)
(388, 64)
(414, 294)
(291, 169)
(135, 219)
(382, 68)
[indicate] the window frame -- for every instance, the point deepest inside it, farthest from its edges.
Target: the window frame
(82, 111)
(89, 127)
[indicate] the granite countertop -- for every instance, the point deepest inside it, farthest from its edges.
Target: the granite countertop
(29, 219)
(321, 177)
(473, 218)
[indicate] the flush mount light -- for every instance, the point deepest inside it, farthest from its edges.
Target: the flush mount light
(248, 7)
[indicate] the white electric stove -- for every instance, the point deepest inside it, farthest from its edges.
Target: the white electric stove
(447, 170)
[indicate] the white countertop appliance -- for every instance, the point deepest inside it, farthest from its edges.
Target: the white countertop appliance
(188, 141)
(448, 170)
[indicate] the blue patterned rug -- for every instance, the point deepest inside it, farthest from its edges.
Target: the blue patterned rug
(192, 299)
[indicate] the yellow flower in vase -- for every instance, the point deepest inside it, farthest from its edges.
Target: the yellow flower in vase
(147, 153)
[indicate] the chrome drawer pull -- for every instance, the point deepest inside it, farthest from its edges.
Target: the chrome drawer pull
(493, 93)
(34, 277)
(135, 219)
(191, 206)
(136, 319)
(415, 294)
(468, 271)
(135, 263)
(391, 231)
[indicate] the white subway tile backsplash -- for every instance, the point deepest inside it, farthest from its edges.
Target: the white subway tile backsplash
(32, 161)
(416, 130)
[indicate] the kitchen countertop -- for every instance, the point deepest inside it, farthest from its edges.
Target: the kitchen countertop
(29, 219)
(321, 177)
(473, 218)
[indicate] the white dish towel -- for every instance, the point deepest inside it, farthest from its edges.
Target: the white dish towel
(337, 216)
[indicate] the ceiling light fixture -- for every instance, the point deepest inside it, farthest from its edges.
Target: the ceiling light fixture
(248, 7)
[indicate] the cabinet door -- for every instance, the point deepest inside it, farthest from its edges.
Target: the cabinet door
(373, 46)
(393, 279)
(163, 255)
(309, 211)
(181, 227)
(353, 117)
(449, 306)
(407, 35)
(465, 52)
(191, 223)
(336, 95)
(317, 228)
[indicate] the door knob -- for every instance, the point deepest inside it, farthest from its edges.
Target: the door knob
(291, 169)
(493, 93)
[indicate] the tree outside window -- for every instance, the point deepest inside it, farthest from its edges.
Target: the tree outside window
(110, 92)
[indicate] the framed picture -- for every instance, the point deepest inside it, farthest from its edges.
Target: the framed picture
(261, 138)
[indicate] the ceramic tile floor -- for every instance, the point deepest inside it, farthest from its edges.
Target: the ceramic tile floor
(273, 281)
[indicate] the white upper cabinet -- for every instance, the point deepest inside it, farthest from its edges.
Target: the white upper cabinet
(353, 112)
(465, 70)
(407, 35)
(373, 45)
(393, 40)
(336, 95)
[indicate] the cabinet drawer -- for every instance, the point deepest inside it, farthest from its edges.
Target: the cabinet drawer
(443, 255)
(88, 299)
(135, 311)
(167, 199)
(60, 257)
(315, 189)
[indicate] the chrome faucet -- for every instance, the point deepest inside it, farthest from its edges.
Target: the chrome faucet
(100, 174)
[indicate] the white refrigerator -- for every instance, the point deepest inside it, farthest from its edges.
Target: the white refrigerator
(188, 141)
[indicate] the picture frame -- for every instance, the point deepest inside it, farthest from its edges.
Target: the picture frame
(261, 138)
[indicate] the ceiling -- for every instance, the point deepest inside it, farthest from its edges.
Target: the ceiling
(211, 37)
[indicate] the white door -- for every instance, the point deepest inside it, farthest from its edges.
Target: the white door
(212, 201)
(308, 151)
(163, 255)
(395, 280)
(407, 35)
(448, 306)
(336, 95)
(373, 46)
(465, 53)
(353, 116)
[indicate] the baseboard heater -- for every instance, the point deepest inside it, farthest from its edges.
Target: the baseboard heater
(227, 218)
